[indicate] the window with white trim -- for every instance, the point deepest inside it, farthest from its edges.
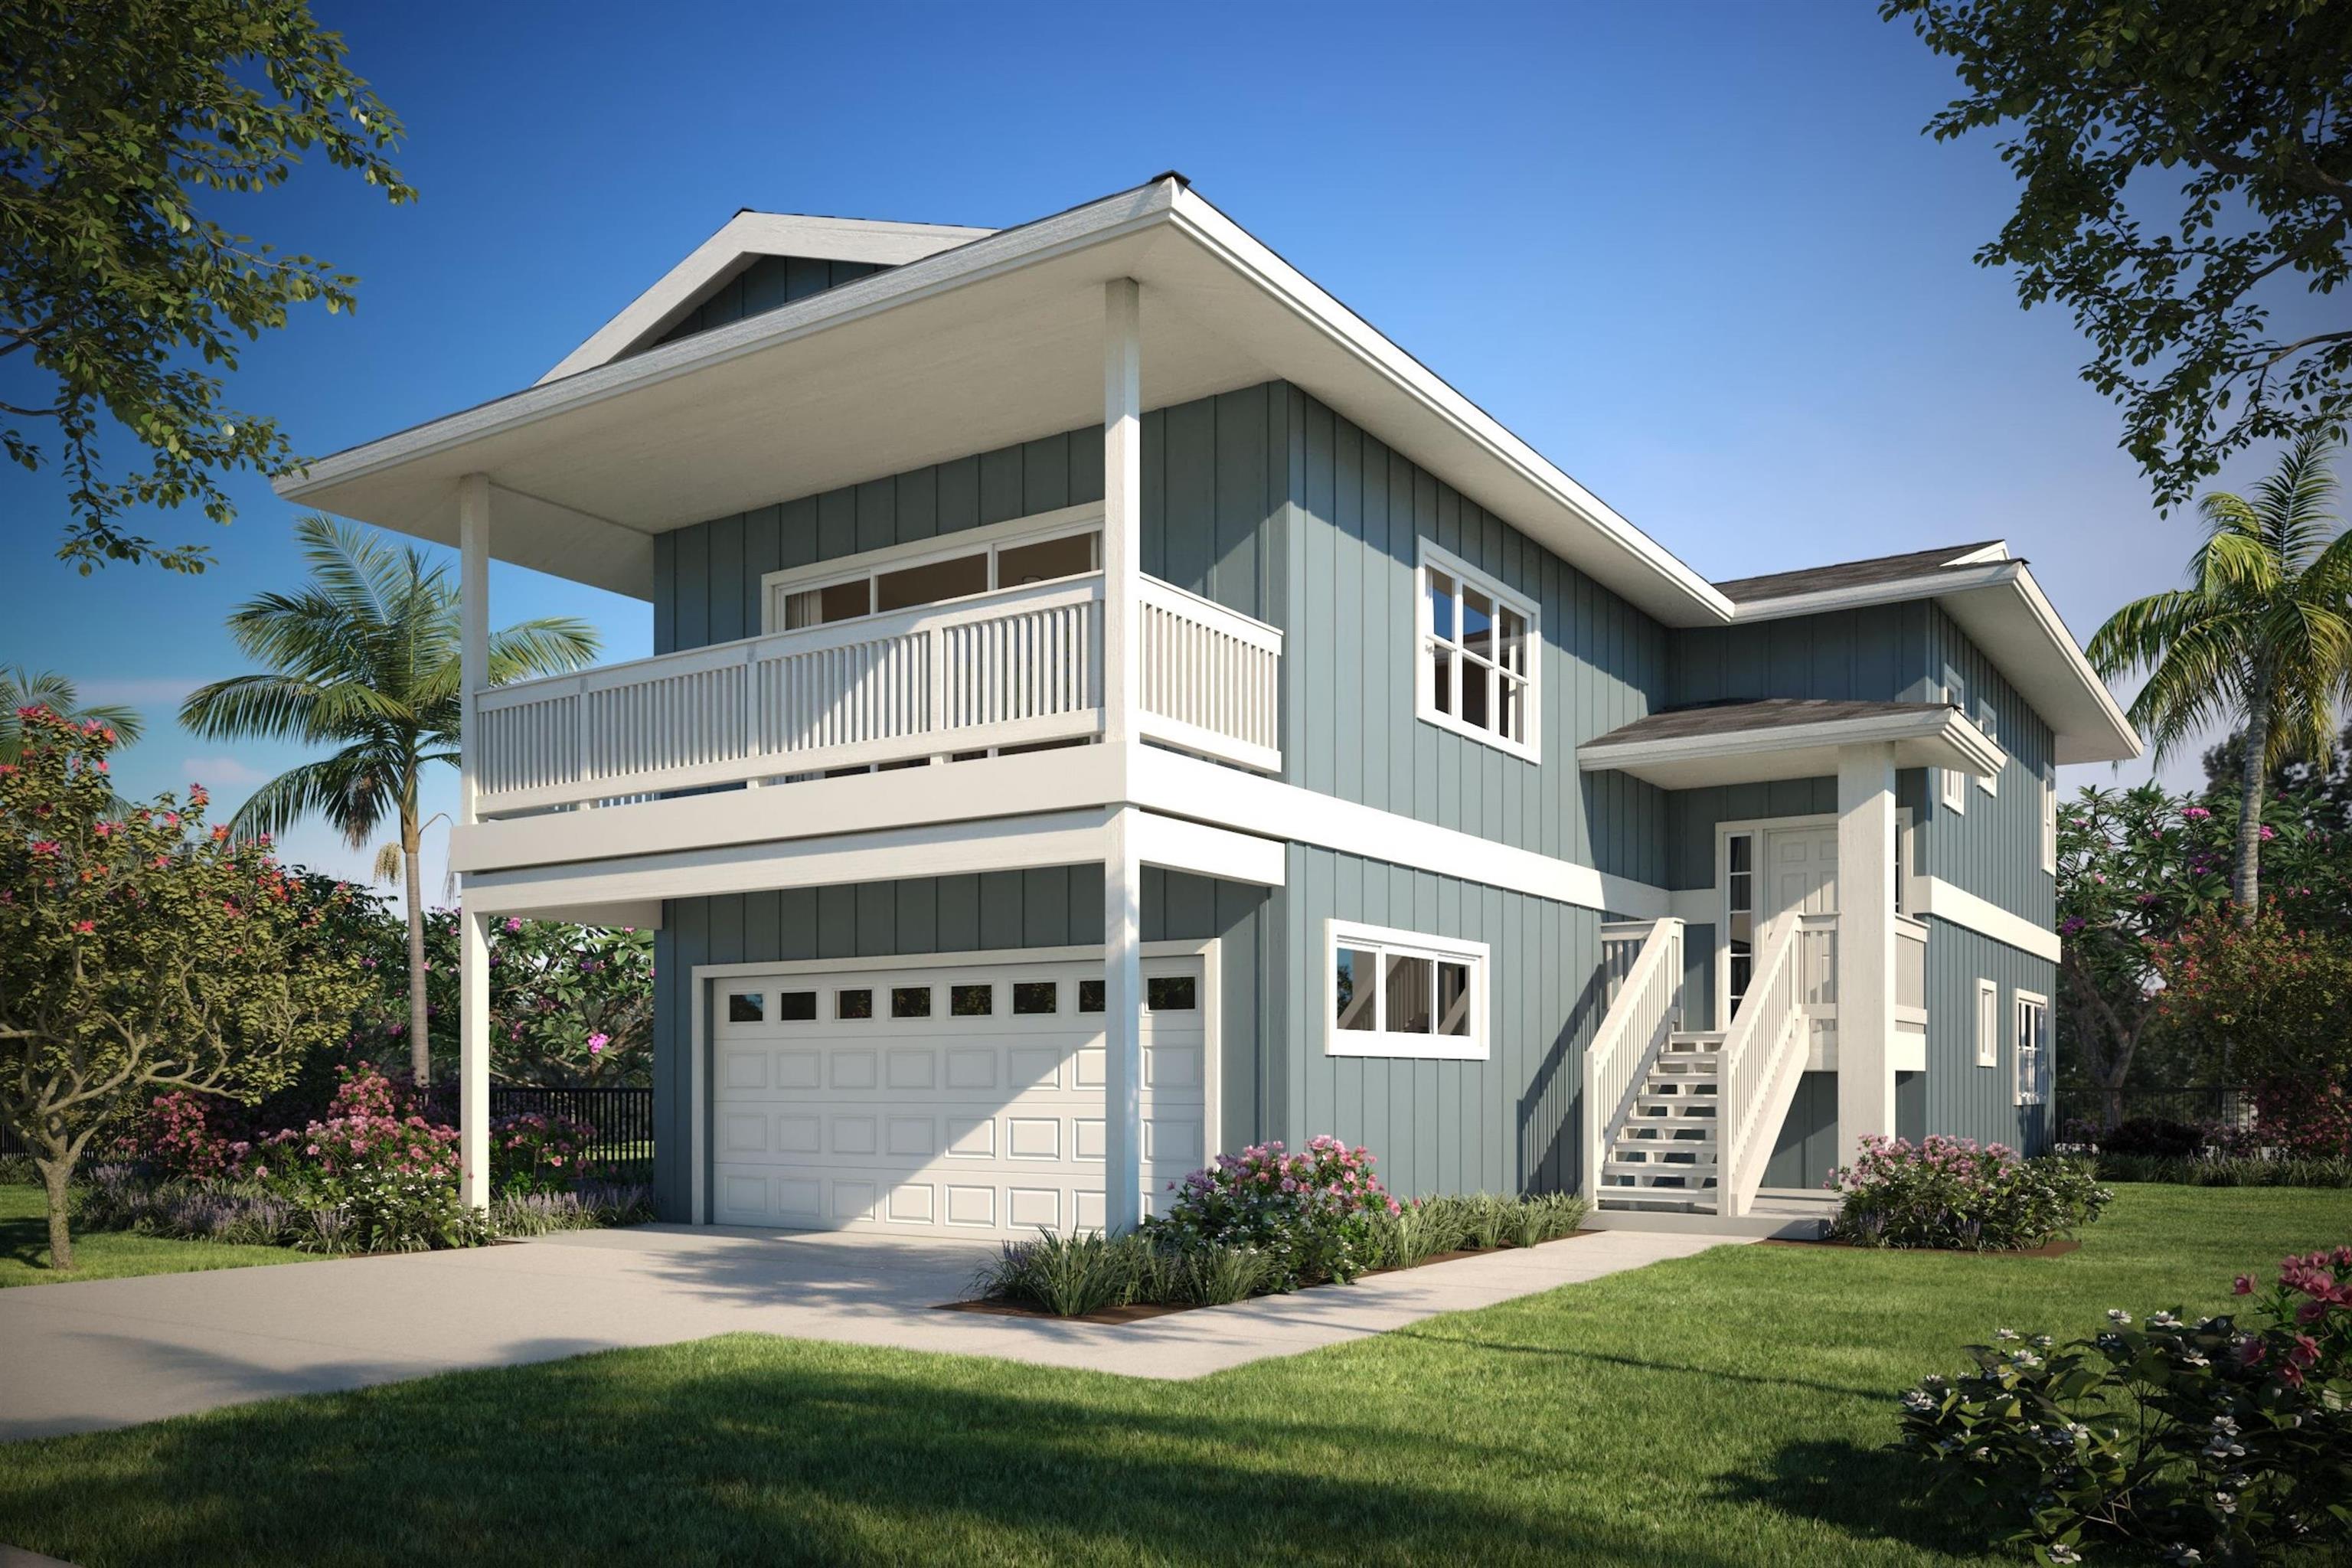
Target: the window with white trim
(1953, 784)
(1480, 646)
(2050, 824)
(1403, 994)
(1987, 1024)
(1988, 721)
(2031, 1032)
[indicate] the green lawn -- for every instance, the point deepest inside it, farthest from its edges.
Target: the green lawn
(106, 1254)
(1722, 1411)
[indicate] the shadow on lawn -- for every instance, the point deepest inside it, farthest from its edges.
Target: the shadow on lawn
(26, 1240)
(1867, 1492)
(731, 1451)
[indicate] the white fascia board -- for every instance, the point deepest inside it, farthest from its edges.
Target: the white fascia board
(1939, 739)
(1093, 224)
(1175, 844)
(744, 238)
(1260, 265)
(939, 849)
(1185, 786)
(2054, 676)
(1945, 901)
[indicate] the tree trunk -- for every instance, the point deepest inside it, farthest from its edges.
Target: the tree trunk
(54, 1175)
(2245, 877)
(420, 1018)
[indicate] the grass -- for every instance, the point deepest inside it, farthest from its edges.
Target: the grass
(1717, 1412)
(106, 1254)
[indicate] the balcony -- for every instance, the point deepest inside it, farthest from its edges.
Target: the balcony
(1020, 667)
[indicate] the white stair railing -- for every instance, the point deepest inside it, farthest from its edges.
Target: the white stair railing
(1761, 1059)
(1643, 1011)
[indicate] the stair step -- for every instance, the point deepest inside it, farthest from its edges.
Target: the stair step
(1646, 1178)
(1617, 1162)
(1670, 1104)
(1671, 1143)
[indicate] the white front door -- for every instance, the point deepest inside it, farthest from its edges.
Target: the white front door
(942, 1101)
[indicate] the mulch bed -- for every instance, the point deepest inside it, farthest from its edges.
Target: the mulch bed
(1137, 1312)
(2059, 1248)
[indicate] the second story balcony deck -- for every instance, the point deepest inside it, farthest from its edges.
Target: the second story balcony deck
(1017, 669)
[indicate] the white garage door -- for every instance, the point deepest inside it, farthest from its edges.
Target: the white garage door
(951, 1101)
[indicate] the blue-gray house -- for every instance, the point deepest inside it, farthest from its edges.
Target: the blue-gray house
(1112, 706)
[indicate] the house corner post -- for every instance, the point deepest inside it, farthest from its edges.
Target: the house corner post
(474, 952)
(1865, 946)
(1122, 874)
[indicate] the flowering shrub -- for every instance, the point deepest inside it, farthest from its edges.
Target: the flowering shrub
(176, 1136)
(1308, 1211)
(366, 1134)
(536, 1153)
(1956, 1193)
(2209, 1441)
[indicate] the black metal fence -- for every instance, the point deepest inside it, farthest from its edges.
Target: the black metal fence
(623, 1120)
(2204, 1105)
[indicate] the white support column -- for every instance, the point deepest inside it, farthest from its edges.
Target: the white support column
(473, 953)
(1865, 946)
(1122, 873)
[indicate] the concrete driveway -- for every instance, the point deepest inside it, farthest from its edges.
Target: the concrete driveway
(111, 1352)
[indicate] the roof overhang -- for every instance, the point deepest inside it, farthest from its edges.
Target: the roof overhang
(743, 239)
(1922, 737)
(2004, 612)
(995, 342)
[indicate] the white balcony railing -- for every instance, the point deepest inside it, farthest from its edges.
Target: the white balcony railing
(1009, 669)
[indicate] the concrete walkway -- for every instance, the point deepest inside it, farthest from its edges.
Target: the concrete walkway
(111, 1352)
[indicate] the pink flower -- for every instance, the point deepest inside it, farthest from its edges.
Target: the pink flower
(2245, 1286)
(85, 927)
(597, 1042)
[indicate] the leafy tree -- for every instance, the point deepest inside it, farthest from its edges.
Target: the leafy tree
(2275, 999)
(140, 953)
(2245, 103)
(2261, 636)
(2225, 764)
(21, 688)
(132, 127)
(366, 659)
(569, 1005)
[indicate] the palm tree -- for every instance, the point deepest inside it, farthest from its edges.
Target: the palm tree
(366, 659)
(2260, 638)
(24, 687)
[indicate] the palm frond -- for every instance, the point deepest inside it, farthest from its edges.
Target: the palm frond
(353, 791)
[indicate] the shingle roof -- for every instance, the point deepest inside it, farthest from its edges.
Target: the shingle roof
(1854, 573)
(1762, 713)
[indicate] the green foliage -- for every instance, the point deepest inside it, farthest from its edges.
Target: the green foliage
(365, 659)
(129, 125)
(2226, 1171)
(593, 1206)
(2214, 1441)
(140, 953)
(2241, 108)
(22, 687)
(1955, 1194)
(569, 1005)
(1069, 1276)
(2262, 635)
(2272, 1000)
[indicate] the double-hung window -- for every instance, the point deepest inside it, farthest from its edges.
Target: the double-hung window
(2033, 1039)
(1479, 655)
(1404, 993)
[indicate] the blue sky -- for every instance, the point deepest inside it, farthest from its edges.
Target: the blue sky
(1698, 255)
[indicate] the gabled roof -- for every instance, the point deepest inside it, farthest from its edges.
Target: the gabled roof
(1862, 573)
(741, 241)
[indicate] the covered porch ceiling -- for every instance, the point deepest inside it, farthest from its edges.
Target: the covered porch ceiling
(990, 343)
(1782, 738)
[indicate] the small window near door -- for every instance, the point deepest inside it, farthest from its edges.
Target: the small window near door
(858, 1004)
(2033, 1046)
(1036, 996)
(1739, 919)
(746, 1007)
(910, 1001)
(795, 1007)
(1404, 993)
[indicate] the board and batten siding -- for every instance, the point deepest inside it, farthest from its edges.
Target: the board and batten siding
(1054, 906)
(1993, 849)
(768, 283)
(1213, 493)
(1508, 1124)
(1965, 1100)
(1351, 723)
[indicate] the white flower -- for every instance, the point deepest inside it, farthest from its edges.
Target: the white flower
(2059, 1554)
(1918, 1400)
(2004, 1334)
(2162, 1321)
(2118, 1315)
